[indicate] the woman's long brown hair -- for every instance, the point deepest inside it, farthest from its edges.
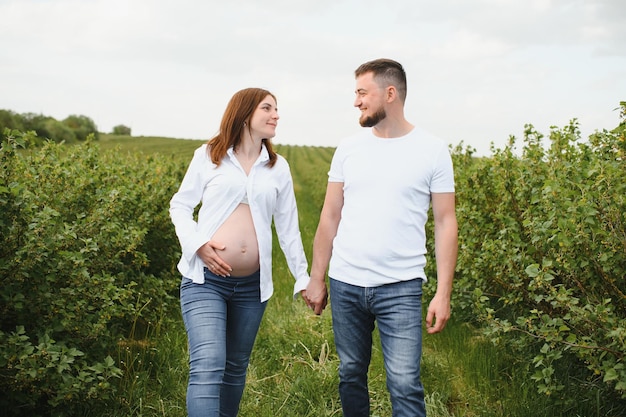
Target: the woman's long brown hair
(239, 110)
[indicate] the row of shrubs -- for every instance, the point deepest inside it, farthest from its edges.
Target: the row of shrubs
(85, 256)
(542, 256)
(74, 128)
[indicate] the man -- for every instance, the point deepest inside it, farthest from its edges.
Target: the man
(371, 237)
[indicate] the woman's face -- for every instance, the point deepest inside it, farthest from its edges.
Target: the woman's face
(264, 119)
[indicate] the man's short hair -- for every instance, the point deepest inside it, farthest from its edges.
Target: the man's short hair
(386, 72)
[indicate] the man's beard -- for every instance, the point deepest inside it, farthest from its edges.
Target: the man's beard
(374, 119)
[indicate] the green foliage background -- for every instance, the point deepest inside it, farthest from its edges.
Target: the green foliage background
(72, 129)
(85, 245)
(543, 255)
(90, 321)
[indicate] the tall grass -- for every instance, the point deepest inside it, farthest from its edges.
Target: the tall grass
(293, 369)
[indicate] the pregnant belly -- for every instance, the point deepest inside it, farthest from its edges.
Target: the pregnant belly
(238, 235)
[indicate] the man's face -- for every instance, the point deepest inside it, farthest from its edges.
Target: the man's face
(370, 100)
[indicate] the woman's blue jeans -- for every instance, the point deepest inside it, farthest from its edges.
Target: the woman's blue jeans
(397, 310)
(222, 318)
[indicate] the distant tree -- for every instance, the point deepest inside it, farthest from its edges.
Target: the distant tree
(59, 131)
(11, 120)
(71, 129)
(82, 126)
(121, 130)
(15, 122)
(37, 123)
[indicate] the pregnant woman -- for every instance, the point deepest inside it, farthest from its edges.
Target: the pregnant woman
(226, 264)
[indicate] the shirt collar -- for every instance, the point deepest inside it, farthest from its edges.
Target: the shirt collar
(263, 156)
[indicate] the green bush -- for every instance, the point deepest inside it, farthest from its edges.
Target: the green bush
(73, 128)
(81, 247)
(82, 126)
(121, 130)
(542, 255)
(10, 120)
(59, 131)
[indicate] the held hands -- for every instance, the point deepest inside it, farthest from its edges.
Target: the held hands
(439, 310)
(316, 296)
(208, 254)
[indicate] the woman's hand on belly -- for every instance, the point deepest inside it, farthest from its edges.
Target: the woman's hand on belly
(237, 234)
(212, 260)
(243, 256)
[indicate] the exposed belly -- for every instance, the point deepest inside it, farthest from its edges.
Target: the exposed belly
(238, 235)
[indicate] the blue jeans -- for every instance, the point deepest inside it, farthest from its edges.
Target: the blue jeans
(222, 318)
(397, 310)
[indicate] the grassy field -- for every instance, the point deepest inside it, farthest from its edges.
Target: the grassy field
(293, 371)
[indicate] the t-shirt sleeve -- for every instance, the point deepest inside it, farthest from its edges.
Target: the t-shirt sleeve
(443, 176)
(336, 166)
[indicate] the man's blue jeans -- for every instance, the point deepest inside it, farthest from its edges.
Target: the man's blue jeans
(222, 318)
(397, 310)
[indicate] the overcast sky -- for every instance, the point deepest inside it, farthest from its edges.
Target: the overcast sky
(477, 71)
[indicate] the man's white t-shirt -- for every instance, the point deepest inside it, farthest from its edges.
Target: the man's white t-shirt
(387, 184)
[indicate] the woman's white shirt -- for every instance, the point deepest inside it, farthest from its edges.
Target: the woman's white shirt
(219, 190)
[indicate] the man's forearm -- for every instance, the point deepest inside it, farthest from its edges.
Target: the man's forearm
(446, 251)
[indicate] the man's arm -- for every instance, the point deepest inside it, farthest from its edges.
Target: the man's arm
(446, 249)
(316, 294)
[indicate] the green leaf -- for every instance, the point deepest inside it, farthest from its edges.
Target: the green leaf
(532, 270)
(610, 375)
